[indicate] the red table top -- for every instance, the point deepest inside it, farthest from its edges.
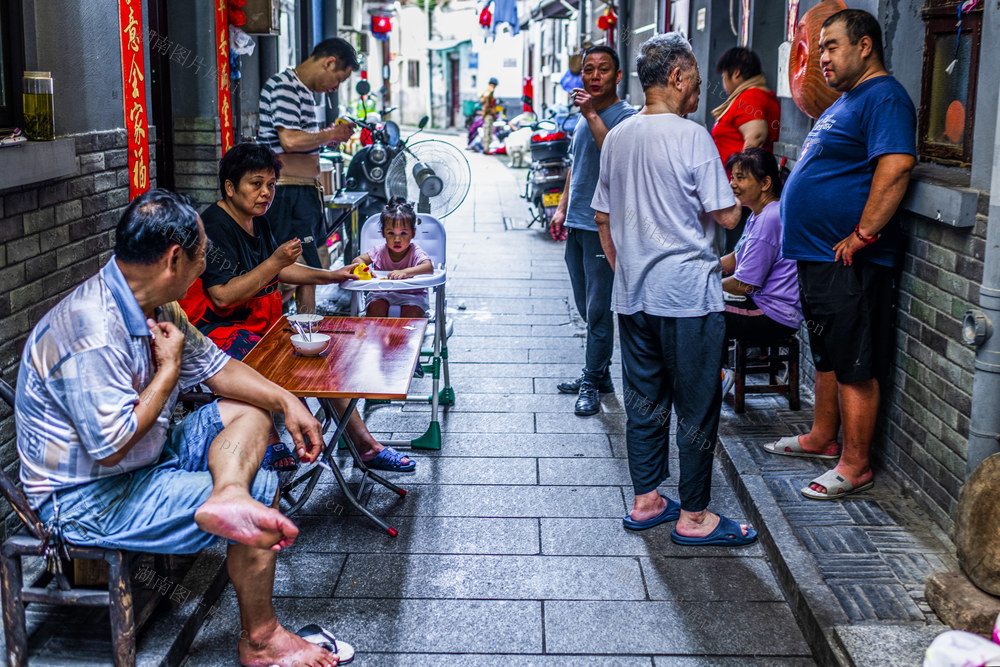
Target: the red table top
(375, 360)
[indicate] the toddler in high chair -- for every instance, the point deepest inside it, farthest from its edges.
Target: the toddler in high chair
(402, 258)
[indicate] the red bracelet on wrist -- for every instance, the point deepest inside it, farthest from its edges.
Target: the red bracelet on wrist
(867, 240)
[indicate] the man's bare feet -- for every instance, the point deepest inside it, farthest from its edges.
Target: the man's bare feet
(233, 514)
(281, 647)
(699, 524)
(854, 477)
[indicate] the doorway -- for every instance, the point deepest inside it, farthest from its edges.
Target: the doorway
(455, 88)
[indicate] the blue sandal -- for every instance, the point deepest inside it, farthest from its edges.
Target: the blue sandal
(391, 460)
(728, 533)
(277, 457)
(671, 512)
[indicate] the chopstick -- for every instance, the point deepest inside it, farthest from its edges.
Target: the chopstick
(326, 331)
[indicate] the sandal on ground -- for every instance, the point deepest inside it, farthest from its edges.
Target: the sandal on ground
(728, 533)
(790, 446)
(836, 486)
(671, 512)
(391, 460)
(279, 458)
(316, 635)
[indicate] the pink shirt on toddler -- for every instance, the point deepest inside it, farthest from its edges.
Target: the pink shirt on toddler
(380, 261)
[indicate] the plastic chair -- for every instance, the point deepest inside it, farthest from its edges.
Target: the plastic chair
(431, 237)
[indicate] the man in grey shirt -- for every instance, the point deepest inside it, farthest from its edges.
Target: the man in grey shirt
(589, 271)
(658, 231)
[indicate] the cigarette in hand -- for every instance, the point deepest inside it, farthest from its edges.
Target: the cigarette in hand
(307, 239)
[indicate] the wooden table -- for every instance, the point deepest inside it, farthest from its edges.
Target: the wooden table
(368, 357)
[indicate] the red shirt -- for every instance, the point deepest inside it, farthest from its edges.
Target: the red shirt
(752, 104)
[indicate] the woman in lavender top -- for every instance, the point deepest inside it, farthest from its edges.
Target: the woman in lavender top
(761, 286)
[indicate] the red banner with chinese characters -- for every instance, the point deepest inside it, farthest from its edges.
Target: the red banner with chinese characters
(134, 84)
(222, 70)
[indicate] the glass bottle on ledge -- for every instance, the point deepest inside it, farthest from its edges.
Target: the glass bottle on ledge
(38, 108)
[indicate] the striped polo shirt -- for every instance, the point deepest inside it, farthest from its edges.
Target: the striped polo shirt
(286, 102)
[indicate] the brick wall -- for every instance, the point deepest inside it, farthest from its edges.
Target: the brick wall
(923, 435)
(197, 151)
(54, 235)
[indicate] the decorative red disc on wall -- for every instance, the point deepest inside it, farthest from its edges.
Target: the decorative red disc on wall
(809, 89)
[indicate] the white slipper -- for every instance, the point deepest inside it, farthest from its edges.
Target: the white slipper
(836, 486)
(790, 446)
(323, 637)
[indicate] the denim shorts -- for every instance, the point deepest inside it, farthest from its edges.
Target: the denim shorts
(152, 509)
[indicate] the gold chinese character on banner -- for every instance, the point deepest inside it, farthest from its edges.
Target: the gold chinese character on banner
(139, 174)
(135, 78)
(132, 31)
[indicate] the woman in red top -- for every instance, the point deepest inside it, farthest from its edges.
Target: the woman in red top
(751, 114)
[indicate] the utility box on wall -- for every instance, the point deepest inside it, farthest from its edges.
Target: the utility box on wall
(262, 17)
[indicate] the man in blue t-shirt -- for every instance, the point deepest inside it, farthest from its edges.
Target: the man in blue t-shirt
(589, 271)
(840, 223)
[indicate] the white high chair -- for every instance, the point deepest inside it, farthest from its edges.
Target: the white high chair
(431, 238)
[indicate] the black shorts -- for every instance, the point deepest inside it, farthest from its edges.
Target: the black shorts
(297, 212)
(849, 313)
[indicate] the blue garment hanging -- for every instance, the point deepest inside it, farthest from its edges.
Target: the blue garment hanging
(505, 11)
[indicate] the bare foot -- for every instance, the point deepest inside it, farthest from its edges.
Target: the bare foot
(234, 515)
(813, 445)
(699, 524)
(281, 647)
(854, 478)
(643, 510)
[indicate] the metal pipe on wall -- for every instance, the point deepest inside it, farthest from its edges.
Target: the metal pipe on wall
(980, 329)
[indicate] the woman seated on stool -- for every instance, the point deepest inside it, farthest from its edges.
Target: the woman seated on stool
(236, 300)
(765, 285)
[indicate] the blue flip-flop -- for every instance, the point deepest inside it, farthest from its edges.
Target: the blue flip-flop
(391, 460)
(671, 512)
(727, 534)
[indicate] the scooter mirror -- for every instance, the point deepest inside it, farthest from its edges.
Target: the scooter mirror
(423, 122)
(363, 87)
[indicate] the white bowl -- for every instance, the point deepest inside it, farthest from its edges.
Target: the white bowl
(306, 318)
(315, 344)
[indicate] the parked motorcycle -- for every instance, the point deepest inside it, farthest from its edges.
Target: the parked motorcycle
(370, 164)
(546, 178)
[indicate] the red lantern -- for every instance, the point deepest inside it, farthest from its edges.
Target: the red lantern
(236, 15)
(485, 17)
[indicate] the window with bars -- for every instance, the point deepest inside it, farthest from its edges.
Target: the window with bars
(948, 93)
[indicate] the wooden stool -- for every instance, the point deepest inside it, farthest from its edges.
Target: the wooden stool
(118, 597)
(769, 364)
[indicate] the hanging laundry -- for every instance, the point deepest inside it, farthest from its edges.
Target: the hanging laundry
(505, 11)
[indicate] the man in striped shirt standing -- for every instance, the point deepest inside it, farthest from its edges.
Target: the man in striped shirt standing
(290, 125)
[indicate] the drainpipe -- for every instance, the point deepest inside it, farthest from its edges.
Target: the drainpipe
(978, 329)
(624, 39)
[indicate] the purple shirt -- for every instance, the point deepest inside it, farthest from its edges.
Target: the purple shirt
(759, 263)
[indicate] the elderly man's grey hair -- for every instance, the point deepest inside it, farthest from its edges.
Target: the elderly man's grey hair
(659, 55)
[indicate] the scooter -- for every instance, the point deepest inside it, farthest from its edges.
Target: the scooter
(546, 178)
(369, 165)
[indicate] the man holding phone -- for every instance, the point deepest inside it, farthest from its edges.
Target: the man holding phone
(290, 126)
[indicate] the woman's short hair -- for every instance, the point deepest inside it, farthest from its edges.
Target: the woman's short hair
(154, 221)
(659, 56)
(244, 158)
(739, 58)
(759, 163)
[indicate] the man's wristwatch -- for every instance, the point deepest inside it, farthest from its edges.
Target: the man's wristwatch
(867, 240)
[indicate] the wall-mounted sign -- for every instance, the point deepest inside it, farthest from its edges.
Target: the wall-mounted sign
(134, 82)
(700, 18)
